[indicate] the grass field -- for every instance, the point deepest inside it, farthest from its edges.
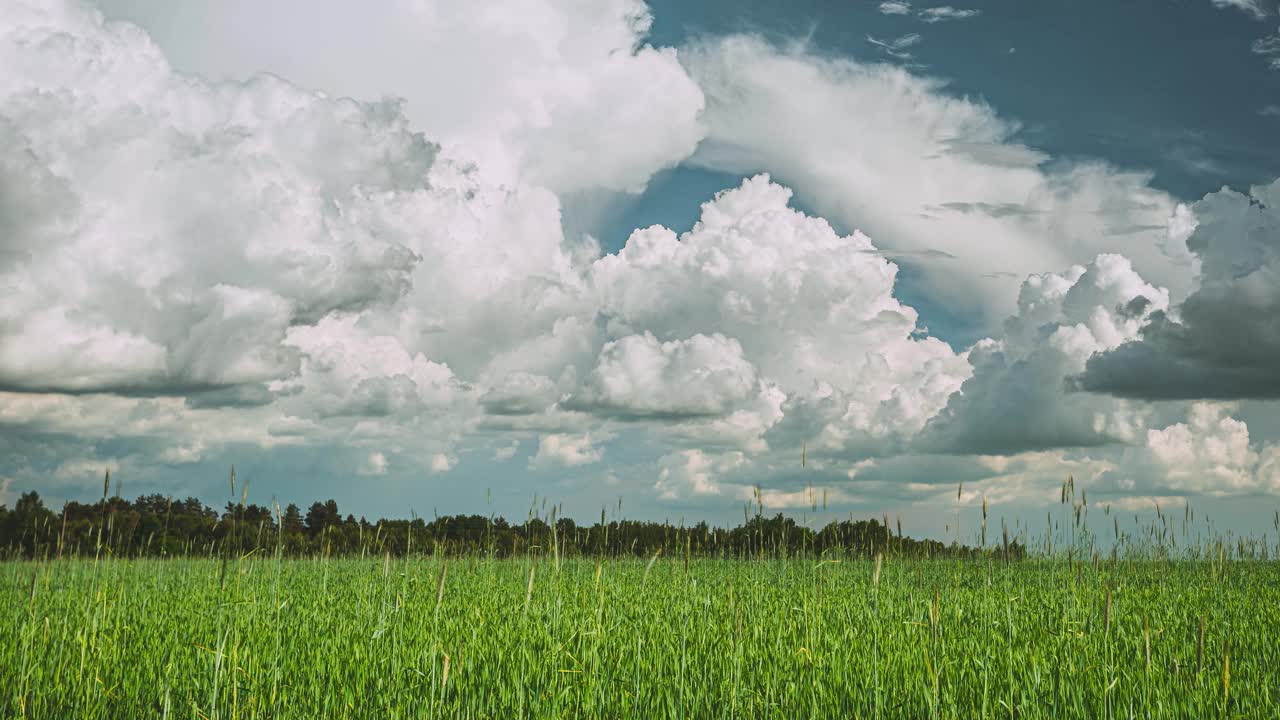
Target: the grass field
(407, 638)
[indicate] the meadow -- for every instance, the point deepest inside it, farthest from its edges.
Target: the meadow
(422, 636)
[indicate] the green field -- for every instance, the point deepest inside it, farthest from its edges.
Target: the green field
(509, 638)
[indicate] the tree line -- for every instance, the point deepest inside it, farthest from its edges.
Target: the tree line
(159, 526)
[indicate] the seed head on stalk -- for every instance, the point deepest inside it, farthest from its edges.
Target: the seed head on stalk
(444, 572)
(984, 520)
(528, 590)
(647, 568)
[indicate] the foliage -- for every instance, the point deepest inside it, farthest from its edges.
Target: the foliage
(814, 636)
(156, 526)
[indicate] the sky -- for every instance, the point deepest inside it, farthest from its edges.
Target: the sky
(440, 257)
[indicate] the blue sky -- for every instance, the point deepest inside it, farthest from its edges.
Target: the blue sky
(419, 256)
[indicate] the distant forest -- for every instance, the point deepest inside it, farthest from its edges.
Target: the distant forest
(158, 526)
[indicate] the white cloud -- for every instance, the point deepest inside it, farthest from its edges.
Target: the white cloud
(346, 370)
(946, 12)
(1210, 450)
(259, 250)
(637, 376)
(897, 47)
(188, 288)
(938, 178)
(1251, 7)
(1222, 341)
(194, 265)
(442, 462)
(520, 393)
(1268, 47)
(895, 8)
(557, 93)
(804, 499)
(183, 454)
(375, 464)
(1210, 453)
(167, 422)
(1017, 399)
(567, 450)
(812, 312)
(506, 452)
(689, 473)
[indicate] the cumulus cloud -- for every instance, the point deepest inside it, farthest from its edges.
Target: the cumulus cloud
(1018, 399)
(810, 312)
(373, 465)
(244, 242)
(1209, 453)
(349, 371)
(565, 450)
(194, 264)
(183, 454)
(520, 393)
(875, 147)
(560, 93)
(895, 8)
(1224, 340)
(637, 377)
(199, 263)
(204, 221)
(693, 472)
(506, 452)
(442, 462)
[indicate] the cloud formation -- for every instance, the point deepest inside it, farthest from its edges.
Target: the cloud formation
(897, 47)
(638, 377)
(876, 147)
(1223, 341)
(812, 311)
(1254, 8)
(194, 266)
(556, 93)
(1018, 399)
(946, 12)
(1268, 47)
(1208, 453)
